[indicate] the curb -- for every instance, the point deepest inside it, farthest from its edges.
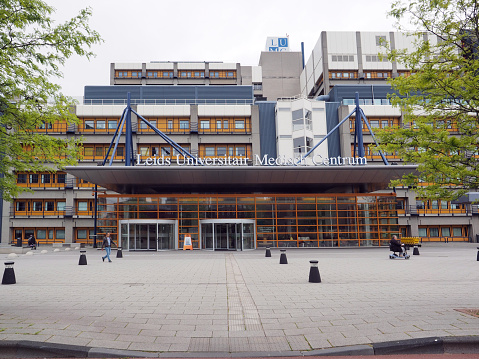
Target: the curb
(432, 345)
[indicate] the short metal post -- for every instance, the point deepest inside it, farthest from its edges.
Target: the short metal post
(478, 254)
(82, 261)
(119, 253)
(314, 276)
(268, 252)
(282, 258)
(9, 274)
(415, 251)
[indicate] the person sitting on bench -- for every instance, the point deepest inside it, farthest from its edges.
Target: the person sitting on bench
(32, 243)
(395, 245)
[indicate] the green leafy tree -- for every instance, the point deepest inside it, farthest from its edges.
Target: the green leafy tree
(440, 99)
(32, 50)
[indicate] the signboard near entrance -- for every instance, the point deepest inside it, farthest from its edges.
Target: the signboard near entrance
(187, 243)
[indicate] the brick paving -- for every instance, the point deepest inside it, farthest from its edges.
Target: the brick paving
(200, 301)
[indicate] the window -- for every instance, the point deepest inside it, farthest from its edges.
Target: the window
(225, 124)
(20, 206)
(41, 234)
(170, 124)
(112, 124)
(221, 151)
(205, 124)
(61, 177)
(165, 151)
(209, 151)
(99, 151)
(37, 206)
(49, 206)
(33, 178)
(100, 124)
(184, 124)
(239, 124)
(82, 233)
(434, 232)
(240, 151)
(298, 121)
(446, 232)
(457, 231)
(145, 151)
(422, 232)
(89, 124)
(60, 234)
(21, 178)
(380, 40)
(218, 124)
(61, 206)
(82, 206)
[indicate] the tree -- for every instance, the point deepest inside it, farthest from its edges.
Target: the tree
(32, 50)
(440, 99)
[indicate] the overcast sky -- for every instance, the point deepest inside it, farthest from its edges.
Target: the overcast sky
(207, 30)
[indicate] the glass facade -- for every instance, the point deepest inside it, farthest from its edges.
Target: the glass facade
(312, 220)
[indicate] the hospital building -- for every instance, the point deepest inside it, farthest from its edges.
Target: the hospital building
(217, 153)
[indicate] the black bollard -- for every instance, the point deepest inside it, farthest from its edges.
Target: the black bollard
(314, 276)
(119, 253)
(415, 251)
(282, 258)
(478, 254)
(82, 261)
(268, 252)
(9, 274)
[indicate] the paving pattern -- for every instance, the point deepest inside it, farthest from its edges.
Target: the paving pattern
(184, 301)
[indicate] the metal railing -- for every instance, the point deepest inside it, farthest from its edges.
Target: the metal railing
(170, 101)
(413, 210)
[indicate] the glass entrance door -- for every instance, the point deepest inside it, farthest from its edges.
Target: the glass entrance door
(222, 235)
(148, 236)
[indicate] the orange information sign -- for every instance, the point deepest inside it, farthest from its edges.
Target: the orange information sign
(187, 244)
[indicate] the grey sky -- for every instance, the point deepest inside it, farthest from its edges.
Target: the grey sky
(208, 30)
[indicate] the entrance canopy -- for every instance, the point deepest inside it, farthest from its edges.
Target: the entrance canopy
(238, 179)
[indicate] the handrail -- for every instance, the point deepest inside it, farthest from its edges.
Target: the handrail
(169, 101)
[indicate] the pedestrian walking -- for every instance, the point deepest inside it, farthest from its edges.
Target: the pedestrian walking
(107, 242)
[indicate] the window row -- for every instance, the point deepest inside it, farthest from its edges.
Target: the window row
(42, 179)
(372, 153)
(52, 235)
(166, 151)
(225, 124)
(170, 124)
(51, 207)
(443, 232)
(343, 74)
(198, 74)
(241, 151)
(362, 102)
(375, 122)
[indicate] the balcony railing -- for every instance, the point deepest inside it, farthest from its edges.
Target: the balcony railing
(67, 212)
(413, 210)
(249, 101)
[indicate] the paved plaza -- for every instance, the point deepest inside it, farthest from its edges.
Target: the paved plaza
(237, 302)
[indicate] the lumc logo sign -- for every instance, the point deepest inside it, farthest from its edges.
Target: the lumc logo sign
(258, 161)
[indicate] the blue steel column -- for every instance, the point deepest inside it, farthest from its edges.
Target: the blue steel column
(359, 128)
(128, 132)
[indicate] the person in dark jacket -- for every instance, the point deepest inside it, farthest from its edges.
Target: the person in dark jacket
(107, 242)
(395, 245)
(32, 243)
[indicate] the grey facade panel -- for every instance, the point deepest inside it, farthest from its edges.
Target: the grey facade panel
(243, 93)
(267, 128)
(340, 92)
(332, 119)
